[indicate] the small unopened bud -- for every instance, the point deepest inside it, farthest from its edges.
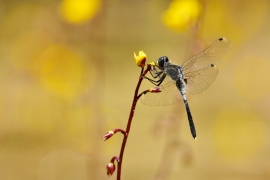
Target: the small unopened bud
(108, 135)
(110, 168)
(155, 90)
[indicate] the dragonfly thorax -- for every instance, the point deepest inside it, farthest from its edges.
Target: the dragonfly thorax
(180, 73)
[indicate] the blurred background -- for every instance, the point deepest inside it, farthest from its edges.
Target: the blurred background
(68, 76)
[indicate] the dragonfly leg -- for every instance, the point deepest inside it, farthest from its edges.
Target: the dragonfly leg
(158, 82)
(156, 75)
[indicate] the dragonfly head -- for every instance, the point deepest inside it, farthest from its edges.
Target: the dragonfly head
(162, 61)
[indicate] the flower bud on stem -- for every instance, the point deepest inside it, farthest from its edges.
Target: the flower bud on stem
(140, 61)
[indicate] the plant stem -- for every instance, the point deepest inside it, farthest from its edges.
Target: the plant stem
(132, 110)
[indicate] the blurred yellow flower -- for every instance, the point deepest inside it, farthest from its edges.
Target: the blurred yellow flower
(140, 59)
(62, 71)
(181, 14)
(79, 11)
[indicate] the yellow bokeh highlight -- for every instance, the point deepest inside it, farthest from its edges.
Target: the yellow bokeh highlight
(79, 11)
(181, 14)
(249, 77)
(238, 134)
(62, 71)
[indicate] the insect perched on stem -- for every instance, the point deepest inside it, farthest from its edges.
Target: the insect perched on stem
(195, 76)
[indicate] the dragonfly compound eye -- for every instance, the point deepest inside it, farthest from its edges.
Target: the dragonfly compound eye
(161, 61)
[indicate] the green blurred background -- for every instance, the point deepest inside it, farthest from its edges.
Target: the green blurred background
(68, 76)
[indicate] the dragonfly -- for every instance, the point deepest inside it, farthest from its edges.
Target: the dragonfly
(195, 76)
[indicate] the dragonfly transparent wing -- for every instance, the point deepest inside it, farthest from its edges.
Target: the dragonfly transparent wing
(209, 56)
(169, 95)
(199, 81)
(200, 70)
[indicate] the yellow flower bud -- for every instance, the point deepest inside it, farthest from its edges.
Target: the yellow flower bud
(140, 59)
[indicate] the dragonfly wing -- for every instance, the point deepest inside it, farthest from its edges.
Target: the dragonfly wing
(209, 56)
(169, 95)
(199, 81)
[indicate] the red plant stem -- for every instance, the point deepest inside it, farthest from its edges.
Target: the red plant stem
(135, 99)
